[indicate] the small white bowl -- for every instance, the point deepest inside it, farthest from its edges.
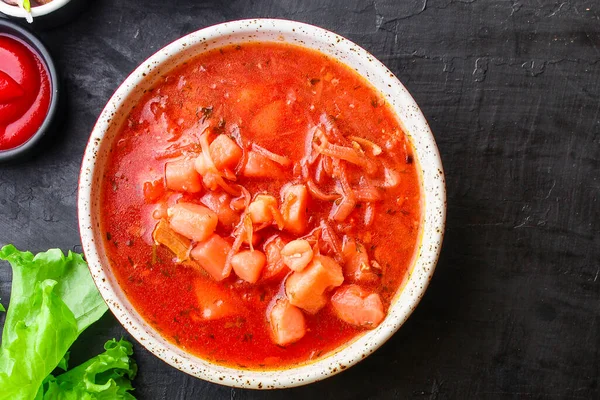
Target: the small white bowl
(117, 109)
(45, 9)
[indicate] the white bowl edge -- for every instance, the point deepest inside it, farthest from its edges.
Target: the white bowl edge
(38, 11)
(427, 155)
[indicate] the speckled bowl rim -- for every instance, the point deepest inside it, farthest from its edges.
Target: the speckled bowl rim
(426, 152)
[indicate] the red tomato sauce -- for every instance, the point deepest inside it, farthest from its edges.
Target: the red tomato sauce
(270, 95)
(24, 92)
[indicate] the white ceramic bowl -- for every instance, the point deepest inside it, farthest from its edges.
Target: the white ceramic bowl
(38, 11)
(118, 107)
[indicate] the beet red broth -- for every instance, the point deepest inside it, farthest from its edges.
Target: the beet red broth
(301, 110)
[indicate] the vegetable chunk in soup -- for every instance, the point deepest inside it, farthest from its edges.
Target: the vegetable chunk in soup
(261, 206)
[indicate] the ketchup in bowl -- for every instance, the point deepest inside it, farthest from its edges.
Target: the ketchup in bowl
(24, 92)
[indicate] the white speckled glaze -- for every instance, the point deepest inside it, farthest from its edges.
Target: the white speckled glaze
(262, 30)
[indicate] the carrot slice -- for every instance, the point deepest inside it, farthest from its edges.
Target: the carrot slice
(177, 244)
(306, 289)
(181, 176)
(212, 256)
(357, 307)
(249, 264)
(165, 236)
(287, 323)
(193, 221)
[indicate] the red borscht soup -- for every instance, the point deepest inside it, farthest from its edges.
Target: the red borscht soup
(261, 206)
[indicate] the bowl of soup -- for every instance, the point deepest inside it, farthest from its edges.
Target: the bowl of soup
(262, 204)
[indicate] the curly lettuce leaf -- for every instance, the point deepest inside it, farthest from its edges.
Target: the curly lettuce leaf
(53, 300)
(106, 376)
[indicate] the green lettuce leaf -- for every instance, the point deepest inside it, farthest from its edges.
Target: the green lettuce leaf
(106, 376)
(53, 300)
(2, 308)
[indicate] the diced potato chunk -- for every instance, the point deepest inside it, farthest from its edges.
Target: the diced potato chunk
(220, 203)
(259, 166)
(181, 176)
(193, 221)
(249, 264)
(212, 256)
(297, 254)
(306, 289)
(357, 307)
(357, 267)
(200, 165)
(275, 266)
(225, 152)
(214, 301)
(287, 323)
(260, 209)
(293, 208)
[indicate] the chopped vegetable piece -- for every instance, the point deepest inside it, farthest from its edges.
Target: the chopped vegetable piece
(297, 254)
(225, 152)
(178, 244)
(220, 203)
(332, 240)
(357, 307)
(287, 323)
(392, 178)
(367, 193)
(260, 210)
(293, 208)
(348, 154)
(275, 266)
(319, 194)
(259, 166)
(153, 190)
(357, 267)
(214, 301)
(212, 256)
(249, 264)
(181, 176)
(367, 144)
(205, 165)
(193, 221)
(279, 159)
(306, 289)
(342, 210)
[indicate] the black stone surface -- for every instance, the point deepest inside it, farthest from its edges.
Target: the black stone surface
(511, 90)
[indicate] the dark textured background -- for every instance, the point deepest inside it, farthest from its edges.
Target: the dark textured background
(511, 90)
